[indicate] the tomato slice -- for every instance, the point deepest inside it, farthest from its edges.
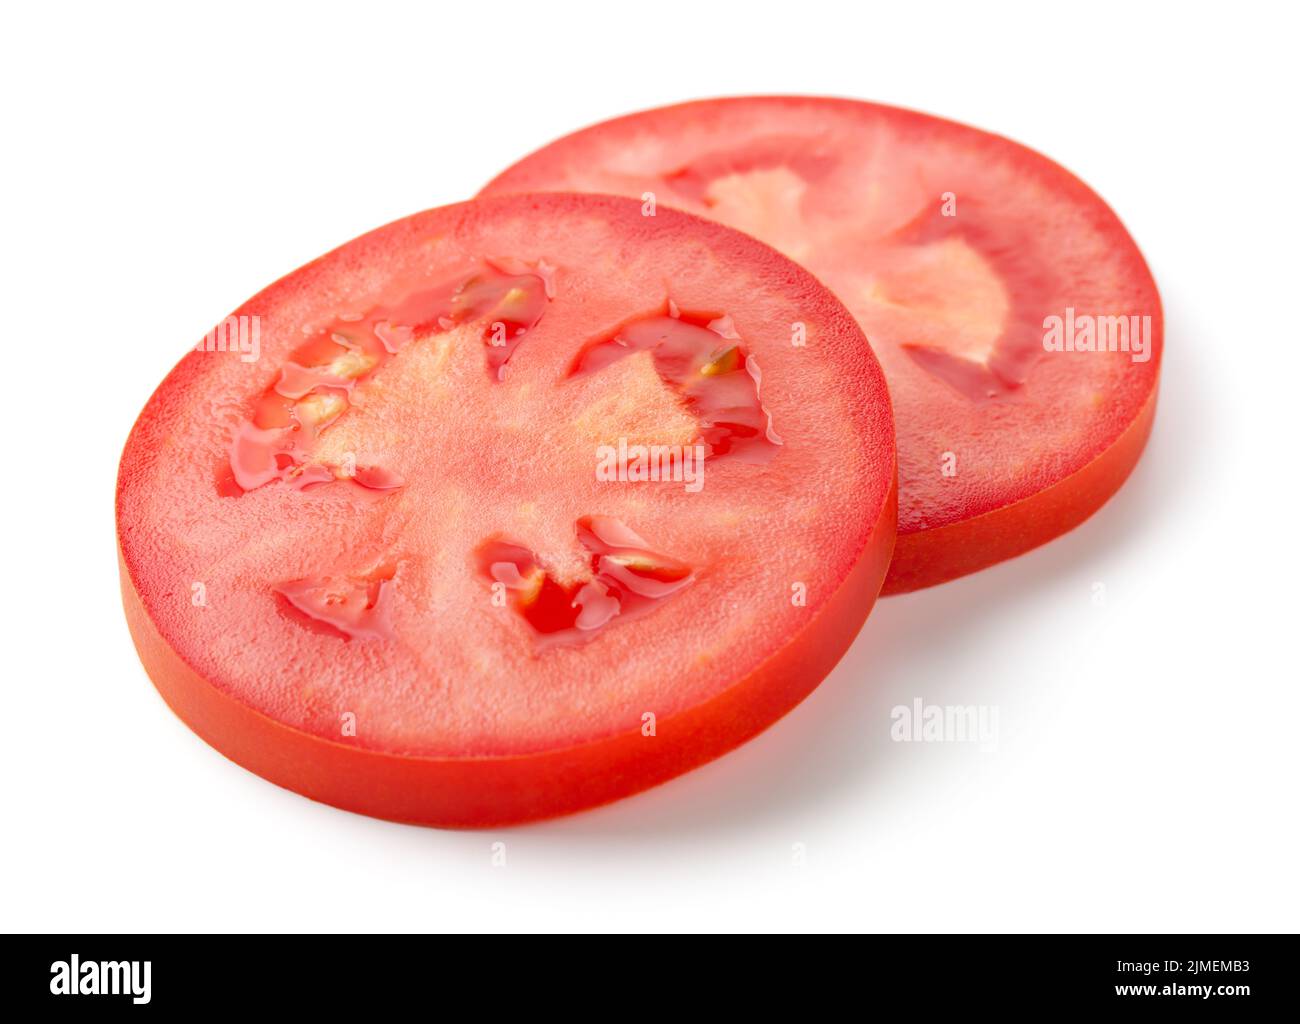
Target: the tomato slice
(527, 504)
(1018, 325)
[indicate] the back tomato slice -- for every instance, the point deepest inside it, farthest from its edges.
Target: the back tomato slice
(419, 558)
(966, 258)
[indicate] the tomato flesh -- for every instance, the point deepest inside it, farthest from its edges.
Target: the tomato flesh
(955, 250)
(376, 569)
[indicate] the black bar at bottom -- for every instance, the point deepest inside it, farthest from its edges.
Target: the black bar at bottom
(161, 974)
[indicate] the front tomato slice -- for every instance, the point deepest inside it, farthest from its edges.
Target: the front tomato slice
(524, 505)
(1018, 326)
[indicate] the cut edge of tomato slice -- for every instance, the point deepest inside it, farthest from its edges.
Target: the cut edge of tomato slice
(495, 791)
(925, 558)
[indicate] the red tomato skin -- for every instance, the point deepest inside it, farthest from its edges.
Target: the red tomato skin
(488, 792)
(926, 558)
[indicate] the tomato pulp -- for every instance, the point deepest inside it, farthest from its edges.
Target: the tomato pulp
(526, 504)
(1018, 325)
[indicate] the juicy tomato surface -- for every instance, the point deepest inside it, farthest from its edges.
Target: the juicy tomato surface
(958, 252)
(508, 509)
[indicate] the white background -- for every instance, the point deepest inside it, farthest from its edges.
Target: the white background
(161, 165)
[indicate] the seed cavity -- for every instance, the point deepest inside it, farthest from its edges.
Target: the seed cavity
(359, 607)
(315, 385)
(702, 357)
(628, 580)
(998, 365)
